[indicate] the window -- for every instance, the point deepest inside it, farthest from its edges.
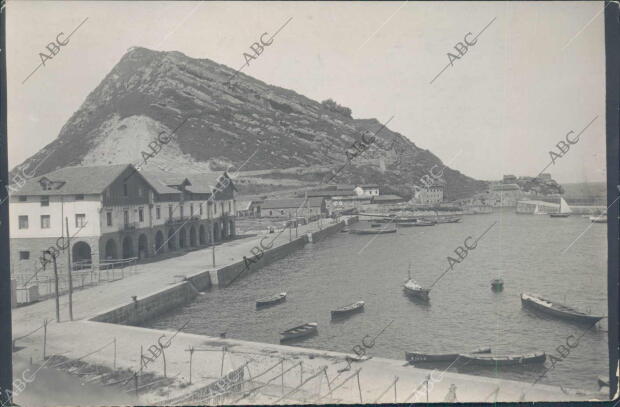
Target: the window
(191, 209)
(169, 211)
(141, 214)
(215, 208)
(229, 207)
(108, 216)
(281, 211)
(24, 255)
(23, 222)
(270, 213)
(23, 198)
(80, 220)
(222, 206)
(125, 217)
(139, 191)
(158, 212)
(125, 193)
(45, 221)
(200, 209)
(182, 211)
(45, 201)
(79, 197)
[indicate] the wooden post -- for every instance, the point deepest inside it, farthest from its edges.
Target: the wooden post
(140, 359)
(282, 376)
(135, 380)
(114, 365)
(395, 381)
(301, 372)
(427, 389)
(191, 355)
(222, 366)
(359, 387)
(329, 385)
(213, 240)
(44, 336)
(163, 354)
(69, 269)
(56, 288)
(290, 229)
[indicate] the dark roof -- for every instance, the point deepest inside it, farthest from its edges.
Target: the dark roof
(164, 182)
(369, 186)
(386, 198)
(329, 194)
(74, 180)
(292, 203)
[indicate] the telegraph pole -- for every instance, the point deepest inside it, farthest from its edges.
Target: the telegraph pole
(69, 269)
(56, 288)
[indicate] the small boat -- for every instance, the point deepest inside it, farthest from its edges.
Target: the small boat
(557, 309)
(448, 219)
(497, 284)
(417, 357)
(599, 219)
(348, 309)
(271, 300)
(414, 289)
(405, 224)
(372, 231)
(376, 225)
(301, 331)
(505, 360)
(421, 222)
(565, 210)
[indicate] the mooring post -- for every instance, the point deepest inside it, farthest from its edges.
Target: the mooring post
(44, 337)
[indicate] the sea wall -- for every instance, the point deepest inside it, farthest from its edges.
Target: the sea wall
(143, 309)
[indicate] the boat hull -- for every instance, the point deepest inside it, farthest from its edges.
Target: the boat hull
(559, 215)
(346, 311)
(302, 331)
(422, 294)
(371, 231)
(565, 315)
(268, 302)
(418, 357)
(509, 360)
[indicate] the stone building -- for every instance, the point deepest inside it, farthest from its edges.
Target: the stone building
(115, 212)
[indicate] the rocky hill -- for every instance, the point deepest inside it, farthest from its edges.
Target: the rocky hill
(270, 134)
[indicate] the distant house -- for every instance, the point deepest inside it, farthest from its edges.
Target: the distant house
(293, 207)
(342, 203)
(387, 199)
(505, 195)
(509, 179)
(249, 208)
(367, 190)
(429, 196)
(544, 177)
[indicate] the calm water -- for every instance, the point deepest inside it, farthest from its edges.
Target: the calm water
(464, 314)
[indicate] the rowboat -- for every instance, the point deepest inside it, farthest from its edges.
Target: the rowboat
(417, 357)
(405, 224)
(599, 219)
(421, 222)
(348, 309)
(271, 300)
(497, 284)
(301, 331)
(558, 310)
(413, 289)
(448, 219)
(372, 231)
(505, 360)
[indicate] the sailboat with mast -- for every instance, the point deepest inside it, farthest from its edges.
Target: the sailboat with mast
(565, 210)
(413, 289)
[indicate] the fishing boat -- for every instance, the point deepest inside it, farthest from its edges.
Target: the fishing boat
(414, 289)
(348, 310)
(271, 300)
(505, 360)
(565, 210)
(423, 222)
(372, 231)
(448, 219)
(301, 331)
(497, 284)
(599, 219)
(418, 357)
(405, 224)
(557, 310)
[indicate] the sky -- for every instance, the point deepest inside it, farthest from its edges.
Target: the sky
(535, 73)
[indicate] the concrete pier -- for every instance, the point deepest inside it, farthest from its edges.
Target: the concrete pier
(102, 335)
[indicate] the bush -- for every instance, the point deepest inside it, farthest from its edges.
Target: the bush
(336, 108)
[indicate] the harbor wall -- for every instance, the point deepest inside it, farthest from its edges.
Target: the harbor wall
(314, 237)
(150, 306)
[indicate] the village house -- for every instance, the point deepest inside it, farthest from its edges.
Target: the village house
(294, 207)
(115, 212)
(367, 190)
(430, 195)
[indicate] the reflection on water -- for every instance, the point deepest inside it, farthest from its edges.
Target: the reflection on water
(463, 312)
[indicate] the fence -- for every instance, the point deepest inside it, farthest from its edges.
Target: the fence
(40, 285)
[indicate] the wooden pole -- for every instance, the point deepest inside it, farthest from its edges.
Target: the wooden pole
(135, 380)
(163, 354)
(395, 381)
(282, 376)
(213, 240)
(114, 365)
(359, 387)
(44, 336)
(69, 269)
(301, 372)
(222, 366)
(191, 355)
(56, 288)
(140, 359)
(329, 385)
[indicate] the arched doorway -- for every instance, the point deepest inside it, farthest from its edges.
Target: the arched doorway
(127, 247)
(201, 235)
(110, 250)
(81, 256)
(192, 236)
(171, 240)
(216, 231)
(143, 246)
(182, 238)
(159, 242)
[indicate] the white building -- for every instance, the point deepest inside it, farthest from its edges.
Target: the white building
(431, 195)
(367, 190)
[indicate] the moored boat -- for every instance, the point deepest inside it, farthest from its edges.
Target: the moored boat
(418, 357)
(558, 310)
(372, 231)
(422, 222)
(448, 219)
(271, 300)
(348, 310)
(505, 360)
(301, 331)
(599, 219)
(497, 284)
(413, 289)
(564, 212)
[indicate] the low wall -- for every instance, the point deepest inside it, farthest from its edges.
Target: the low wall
(227, 274)
(151, 306)
(325, 232)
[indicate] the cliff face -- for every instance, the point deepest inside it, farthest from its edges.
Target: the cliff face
(271, 132)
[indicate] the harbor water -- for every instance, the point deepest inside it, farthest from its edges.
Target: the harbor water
(562, 259)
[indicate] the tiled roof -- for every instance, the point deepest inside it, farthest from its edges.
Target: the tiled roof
(292, 203)
(74, 180)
